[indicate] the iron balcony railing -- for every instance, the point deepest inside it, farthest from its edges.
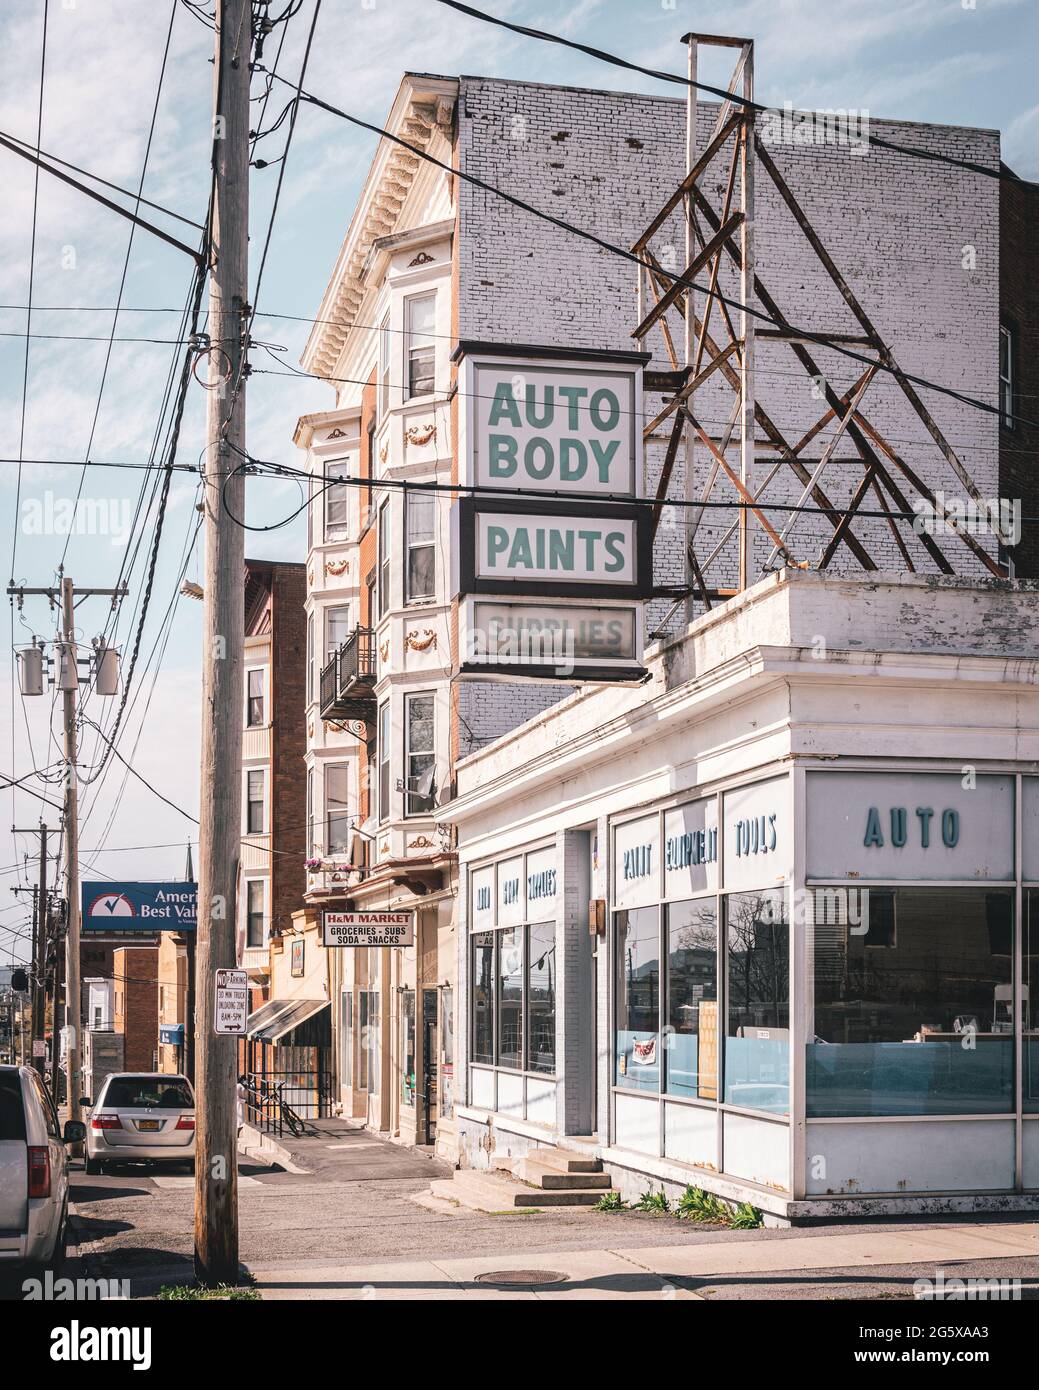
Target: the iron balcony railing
(349, 677)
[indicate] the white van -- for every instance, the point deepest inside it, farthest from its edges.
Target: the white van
(34, 1171)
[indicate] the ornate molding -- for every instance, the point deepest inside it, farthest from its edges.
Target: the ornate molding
(384, 452)
(421, 842)
(337, 433)
(420, 434)
(310, 729)
(384, 650)
(423, 258)
(336, 567)
(421, 641)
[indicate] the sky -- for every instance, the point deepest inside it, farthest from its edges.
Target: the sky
(963, 62)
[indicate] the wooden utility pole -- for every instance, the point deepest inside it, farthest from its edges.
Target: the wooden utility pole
(39, 997)
(73, 1001)
(216, 1172)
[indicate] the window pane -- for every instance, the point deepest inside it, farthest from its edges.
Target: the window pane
(638, 999)
(420, 347)
(346, 1037)
(254, 912)
(913, 1003)
(337, 819)
(757, 1046)
(254, 809)
(337, 500)
(255, 697)
(421, 572)
(481, 989)
(384, 762)
(1030, 1007)
(337, 628)
(407, 1050)
(420, 759)
(510, 998)
(691, 1058)
(541, 997)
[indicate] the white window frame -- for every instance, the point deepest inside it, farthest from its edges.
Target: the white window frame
(383, 748)
(331, 650)
(1007, 383)
(409, 697)
(425, 544)
(264, 915)
(344, 806)
(383, 561)
(411, 348)
(336, 494)
(249, 772)
(249, 672)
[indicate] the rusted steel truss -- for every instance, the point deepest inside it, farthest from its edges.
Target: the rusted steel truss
(704, 336)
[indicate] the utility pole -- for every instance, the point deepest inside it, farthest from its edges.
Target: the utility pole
(73, 1000)
(216, 1171)
(39, 998)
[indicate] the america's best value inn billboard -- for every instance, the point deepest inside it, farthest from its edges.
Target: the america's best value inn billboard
(139, 906)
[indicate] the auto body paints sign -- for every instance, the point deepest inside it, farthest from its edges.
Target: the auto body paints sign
(369, 928)
(141, 907)
(555, 427)
(557, 444)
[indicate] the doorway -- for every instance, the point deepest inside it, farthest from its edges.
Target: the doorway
(430, 1093)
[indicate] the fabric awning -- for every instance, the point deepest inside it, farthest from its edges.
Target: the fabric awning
(272, 1021)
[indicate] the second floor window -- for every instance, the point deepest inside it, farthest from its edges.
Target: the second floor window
(254, 912)
(421, 572)
(254, 817)
(254, 714)
(1007, 367)
(337, 820)
(384, 762)
(420, 757)
(420, 314)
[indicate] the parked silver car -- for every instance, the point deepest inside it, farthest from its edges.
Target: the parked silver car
(141, 1117)
(34, 1171)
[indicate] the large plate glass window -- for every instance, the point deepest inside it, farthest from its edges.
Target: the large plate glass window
(510, 998)
(481, 992)
(638, 999)
(420, 757)
(691, 1055)
(420, 350)
(407, 1047)
(419, 520)
(337, 818)
(757, 1043)
(1030, 1002)
(914, 1010)
(541, 997)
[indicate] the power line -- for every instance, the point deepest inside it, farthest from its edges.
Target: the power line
(616, 61)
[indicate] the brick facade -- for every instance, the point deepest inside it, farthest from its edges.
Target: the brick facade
(135, 970)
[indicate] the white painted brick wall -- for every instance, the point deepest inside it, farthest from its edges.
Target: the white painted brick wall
(896, 227)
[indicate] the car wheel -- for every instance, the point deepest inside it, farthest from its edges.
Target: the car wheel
(92, 1166)
(57, 1260)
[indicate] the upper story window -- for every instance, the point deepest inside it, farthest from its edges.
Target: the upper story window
(420, 755)
(1007, 375)
(384, 560)
(367, 510)
(419, 347)
(385, 359)
(337, 504)
(384, 761)
(310, 657)
(254, 912)
(337, 819)
(255, 819)
(420, 516)
(254, 705)
(337, 628)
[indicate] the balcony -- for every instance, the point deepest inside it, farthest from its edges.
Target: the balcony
(348, 681)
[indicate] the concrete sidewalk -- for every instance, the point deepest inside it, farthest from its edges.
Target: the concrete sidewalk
(678, 1271)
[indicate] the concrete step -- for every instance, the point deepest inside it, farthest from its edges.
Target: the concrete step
(553, 1176)
(566, 1160)
(492, 1192)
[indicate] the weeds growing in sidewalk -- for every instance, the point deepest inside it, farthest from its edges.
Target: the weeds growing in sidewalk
(654, 1202)
(610, 1201)
(694, 1205)
(196, 1292)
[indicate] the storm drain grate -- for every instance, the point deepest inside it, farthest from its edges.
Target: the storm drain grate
(522, 1278)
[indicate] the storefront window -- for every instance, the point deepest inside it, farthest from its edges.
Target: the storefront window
(481, 991)
(541, 997)
(407, 1047)
(691, 1054)
(346, 1038)
(757, 1043)
(510, 998)
(914, 1003)
(638, 999)
(1030, 1006)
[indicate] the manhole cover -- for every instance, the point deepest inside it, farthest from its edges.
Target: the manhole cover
(522, 1278)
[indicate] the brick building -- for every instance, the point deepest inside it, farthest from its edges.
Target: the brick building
(430, 261)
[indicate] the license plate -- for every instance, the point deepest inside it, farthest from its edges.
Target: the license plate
(148, 1125)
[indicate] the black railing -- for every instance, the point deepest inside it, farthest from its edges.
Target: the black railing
(348, 678)
(280, 1102)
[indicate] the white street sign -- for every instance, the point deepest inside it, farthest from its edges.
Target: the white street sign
(369, 928)
(39, 1047)
(232, 1001)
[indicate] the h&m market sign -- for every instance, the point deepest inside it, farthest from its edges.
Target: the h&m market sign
(553, 428)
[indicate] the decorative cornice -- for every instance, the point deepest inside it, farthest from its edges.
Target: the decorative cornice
(423, 258)
(336, 567)
(420, 434)
(421, 641)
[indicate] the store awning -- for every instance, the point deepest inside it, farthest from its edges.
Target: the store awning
(272, 1021)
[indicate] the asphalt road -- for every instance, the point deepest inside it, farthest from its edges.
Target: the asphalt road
(356, 1205)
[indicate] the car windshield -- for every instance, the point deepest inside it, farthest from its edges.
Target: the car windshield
(138, 1092)
(12, 1110)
